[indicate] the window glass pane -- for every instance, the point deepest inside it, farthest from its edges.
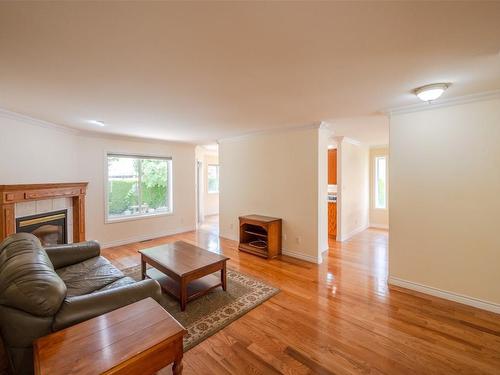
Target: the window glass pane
(123, 179)
(213, 178)
(138, 186)
(380, 182)
(154, 186)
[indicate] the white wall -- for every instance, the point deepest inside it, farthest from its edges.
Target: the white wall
(30, 153)
(323, 141)
(353, 188)
(92, 152)
(445, 202)
(274, 174)
(379, 218)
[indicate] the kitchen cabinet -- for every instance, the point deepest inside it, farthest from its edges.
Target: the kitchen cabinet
(332, 219)
(332, 167)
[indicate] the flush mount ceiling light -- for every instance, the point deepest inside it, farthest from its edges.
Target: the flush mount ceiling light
(97, 122)
(429, 93)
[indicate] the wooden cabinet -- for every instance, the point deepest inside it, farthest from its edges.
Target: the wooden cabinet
(260, 235)
(332, 167)
(332, 219)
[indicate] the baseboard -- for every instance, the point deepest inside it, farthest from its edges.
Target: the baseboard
(150, 236)
(293, 254)
(379, 226)
(352, 233)
(228, 237)
(451, 296)
(307, 258)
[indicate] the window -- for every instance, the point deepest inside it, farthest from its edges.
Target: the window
(381, 182)
(138, 186)
(213, 178)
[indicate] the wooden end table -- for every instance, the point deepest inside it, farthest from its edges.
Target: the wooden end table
(140, 338)
(184, 270)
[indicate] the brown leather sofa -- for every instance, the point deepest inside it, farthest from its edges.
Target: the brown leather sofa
(45, 290)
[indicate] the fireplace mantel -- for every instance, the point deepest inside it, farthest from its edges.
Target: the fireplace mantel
(12, 194)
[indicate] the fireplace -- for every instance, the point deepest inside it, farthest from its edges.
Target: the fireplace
(49, 227)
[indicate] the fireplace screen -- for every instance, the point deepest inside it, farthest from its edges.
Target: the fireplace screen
(50, 227)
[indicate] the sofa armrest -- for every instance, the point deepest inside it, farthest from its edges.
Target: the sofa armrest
(80, 308)
(66, 255)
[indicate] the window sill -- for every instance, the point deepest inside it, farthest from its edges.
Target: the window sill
(212, 192)
(108, 220)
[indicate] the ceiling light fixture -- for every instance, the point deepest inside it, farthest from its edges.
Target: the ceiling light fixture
(429, 93)
(97, 122)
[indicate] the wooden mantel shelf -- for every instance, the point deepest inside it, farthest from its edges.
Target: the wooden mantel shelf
(12, 194)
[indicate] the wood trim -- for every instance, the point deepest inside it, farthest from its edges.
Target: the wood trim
(7, 220)
(12, 194)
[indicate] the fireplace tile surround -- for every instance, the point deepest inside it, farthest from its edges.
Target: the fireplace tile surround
(23, 209)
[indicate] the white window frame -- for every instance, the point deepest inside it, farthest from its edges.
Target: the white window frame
(110, 220)
(375, 182)
(218, 179)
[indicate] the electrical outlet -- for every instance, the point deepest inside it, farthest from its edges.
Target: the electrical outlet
(298, 240)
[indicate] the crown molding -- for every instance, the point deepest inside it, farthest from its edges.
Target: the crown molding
(83, 133)
(352, 141)
(37, 122)
(131, 138)
(486, 95)
(381, 146)
(314, 125)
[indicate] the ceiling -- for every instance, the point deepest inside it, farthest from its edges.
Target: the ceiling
(370, 130)
(197, 72)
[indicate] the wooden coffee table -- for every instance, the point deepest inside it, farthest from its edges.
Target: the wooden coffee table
(183, 270)
(140, 338)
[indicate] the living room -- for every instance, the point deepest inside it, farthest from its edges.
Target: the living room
(164, 187)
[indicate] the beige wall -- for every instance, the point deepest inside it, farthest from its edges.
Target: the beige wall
(353, 188)
(379, 218)
(274, 174)
(34, 154)
(445, 201)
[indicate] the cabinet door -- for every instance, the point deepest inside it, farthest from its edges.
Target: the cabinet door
(332, 219)
(332, 167)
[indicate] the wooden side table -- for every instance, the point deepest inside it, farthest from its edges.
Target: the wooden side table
(140, 338)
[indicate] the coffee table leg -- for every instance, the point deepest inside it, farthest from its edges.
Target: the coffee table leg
(143, 268)
(223, 276)
(177, 367)
(183, 294)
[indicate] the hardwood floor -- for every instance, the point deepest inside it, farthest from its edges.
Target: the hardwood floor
(337, 318)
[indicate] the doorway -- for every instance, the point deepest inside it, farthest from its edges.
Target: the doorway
(199, 193)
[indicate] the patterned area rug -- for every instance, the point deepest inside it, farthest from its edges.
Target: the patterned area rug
(210, 313)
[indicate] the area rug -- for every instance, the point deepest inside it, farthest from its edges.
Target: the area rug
(210, 313)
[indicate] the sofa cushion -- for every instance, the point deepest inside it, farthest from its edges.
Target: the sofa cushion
(28, 281)
(88, 276)
(120, 282)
